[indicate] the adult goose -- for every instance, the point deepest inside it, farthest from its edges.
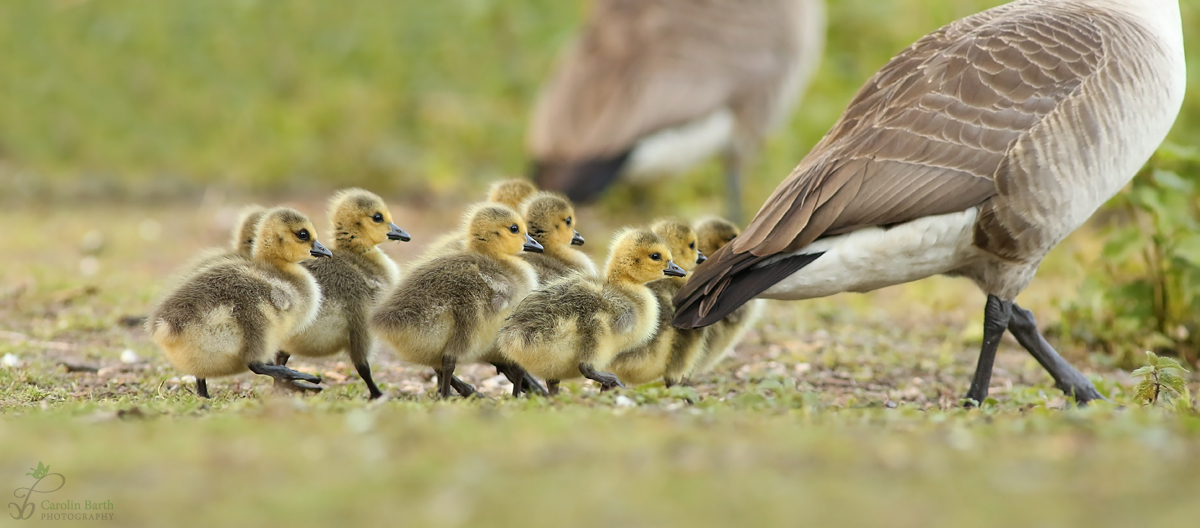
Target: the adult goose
(655, 86)
(972, 153)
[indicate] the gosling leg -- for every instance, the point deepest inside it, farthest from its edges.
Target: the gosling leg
(202, 388)
(606, 380)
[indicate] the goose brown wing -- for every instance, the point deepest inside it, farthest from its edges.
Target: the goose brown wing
(923, 137)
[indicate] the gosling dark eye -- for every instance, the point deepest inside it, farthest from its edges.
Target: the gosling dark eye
(378, 218)
(655, 256)
(514, 229)
(692, 245)
(568, 221)
(303, 235)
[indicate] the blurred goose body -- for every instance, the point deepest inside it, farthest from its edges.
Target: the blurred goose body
(972, 153)
(656, 86)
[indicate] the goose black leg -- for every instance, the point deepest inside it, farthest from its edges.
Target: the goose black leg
(996, 315)
(202, 388)
(607, 381)
(281, 372)
(1071, 381)
(364, 372)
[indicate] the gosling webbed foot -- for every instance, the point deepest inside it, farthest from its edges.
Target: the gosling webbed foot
(281, 372)
(531, 384)
(606, 380)
(364, 372)
(465, 389)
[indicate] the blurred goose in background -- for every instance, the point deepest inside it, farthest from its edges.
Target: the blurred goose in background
(656, 86)
(972, 153)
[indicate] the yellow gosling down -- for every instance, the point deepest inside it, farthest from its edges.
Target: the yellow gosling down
(232, 315)
(511, 193)
(551, 221)
(721, 338)
(574, 326)
(449, 310)
(353, 281)
(671, 353)
(241, 244)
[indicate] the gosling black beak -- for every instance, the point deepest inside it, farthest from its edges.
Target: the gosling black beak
(700, 258)
(531, 244)
(577, 240)
(319, 251)
(398, 234)
(673, 270)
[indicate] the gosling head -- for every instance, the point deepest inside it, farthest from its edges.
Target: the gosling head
(511, 192)
(361, 220)
(682, 241)
(496, 229)
(714, 232)
(551, 221)
(247, 225)
(285, 234)
(639, 256)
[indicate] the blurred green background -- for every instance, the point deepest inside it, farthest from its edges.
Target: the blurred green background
(135, 100)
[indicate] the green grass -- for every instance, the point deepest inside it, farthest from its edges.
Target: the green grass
(126, 99)
(796, 430)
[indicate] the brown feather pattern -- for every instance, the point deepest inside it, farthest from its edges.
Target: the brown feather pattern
(931, 133)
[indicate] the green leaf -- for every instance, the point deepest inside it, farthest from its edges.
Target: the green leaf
(1187, 248)
(1123, 243)
(1174, 181)
(1142, 371)
(1151, 358)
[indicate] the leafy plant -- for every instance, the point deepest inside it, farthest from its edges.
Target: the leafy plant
(1145, 292)
(1162, 380)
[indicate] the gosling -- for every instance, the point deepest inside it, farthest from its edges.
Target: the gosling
(232, 315)
(551, 221)
(353, 281)
(672, 352)
(576, 325)
(511, 193)
(449, 310)
(721, 337)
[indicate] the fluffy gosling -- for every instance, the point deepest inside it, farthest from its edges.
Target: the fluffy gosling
(232, 315)
(574, 326)
(352, 281)
(449, 309)
(721, 337)
(511, 193)
(672, 352)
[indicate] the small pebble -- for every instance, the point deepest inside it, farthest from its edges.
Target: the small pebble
(624, 401)
(129, 357)
(11, 360)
